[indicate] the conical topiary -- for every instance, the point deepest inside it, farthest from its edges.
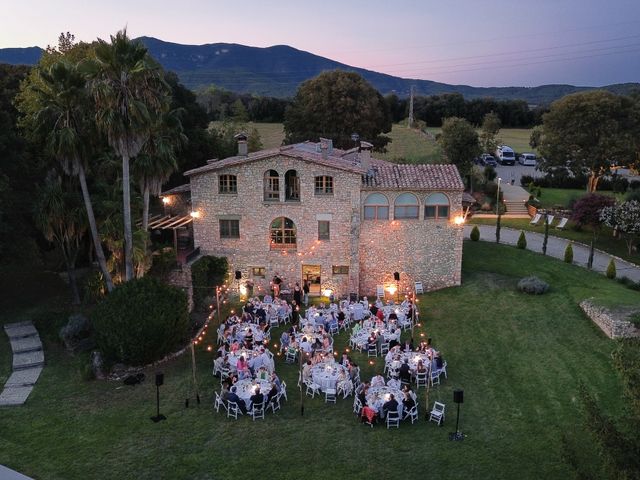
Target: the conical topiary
(568, 253)
(611, 269)
(475, 233)
(522, 241)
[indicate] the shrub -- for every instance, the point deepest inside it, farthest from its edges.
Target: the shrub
(525, 180)
(206, 273)
(568, 253)
(522, 241)
(141, 321)
(533, 285)
(475, 233)
(486, 207)
(611, 269)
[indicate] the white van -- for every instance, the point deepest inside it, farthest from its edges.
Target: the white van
(528, 159)
(505, 155)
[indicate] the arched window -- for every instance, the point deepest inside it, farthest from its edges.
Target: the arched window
(283, 233)
(271, 186)
(376, 207)
(292, 186)
(436, 206)
(406, 206)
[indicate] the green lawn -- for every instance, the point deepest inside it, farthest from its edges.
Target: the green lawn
(271, 134)
(518, 358)
(411, 146)
(562, 197)
(516, 138)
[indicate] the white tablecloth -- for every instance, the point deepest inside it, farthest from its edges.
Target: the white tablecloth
(327, 374)
(245, 388)
(377, 396)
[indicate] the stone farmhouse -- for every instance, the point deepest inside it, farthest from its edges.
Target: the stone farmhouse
(340, 219)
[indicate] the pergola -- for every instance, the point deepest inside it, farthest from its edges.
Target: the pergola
(170, 222)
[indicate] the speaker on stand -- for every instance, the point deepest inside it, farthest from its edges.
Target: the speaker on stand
(458, 398)
(159, 383)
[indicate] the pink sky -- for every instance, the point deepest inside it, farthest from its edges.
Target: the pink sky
(473, 42)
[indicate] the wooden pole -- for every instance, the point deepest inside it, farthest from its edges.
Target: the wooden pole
(193, 370)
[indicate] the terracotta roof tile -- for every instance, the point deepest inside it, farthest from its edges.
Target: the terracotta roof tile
(414, 177)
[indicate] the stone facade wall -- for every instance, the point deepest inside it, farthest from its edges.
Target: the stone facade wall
(181, 277)
(609, 322)
(253, 248)
(428, 250)
(421, 250)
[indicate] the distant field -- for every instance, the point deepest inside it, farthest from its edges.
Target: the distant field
(407, 145)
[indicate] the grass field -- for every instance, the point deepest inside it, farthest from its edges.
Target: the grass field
(518, 358)
(407, 145)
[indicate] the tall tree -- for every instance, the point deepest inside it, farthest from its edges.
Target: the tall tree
(60, 109)
(625, 219)
(460, 143)
(59, 216)
(129, 91)
(490, 127)
(334, 105)
(587, 133)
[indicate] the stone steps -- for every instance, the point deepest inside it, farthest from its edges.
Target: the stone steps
(28, 361)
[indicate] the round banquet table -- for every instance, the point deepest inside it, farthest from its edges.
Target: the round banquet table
(377, 396)
(242, 352)
(362, 337)
(247, 387)
(413, 358)
(327, 374)
(243, 328)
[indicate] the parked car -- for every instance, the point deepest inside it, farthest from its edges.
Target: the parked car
(505, 155)
(486, 159)
(528, 159)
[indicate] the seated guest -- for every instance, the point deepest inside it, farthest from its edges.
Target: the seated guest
(439, 361)
(380, 314)
(248, 339)
(408, 403)
(326, 343)
(235, 346)
(420, 368)
(354, 371)
(257, 398)
(243, 368)
(276, 381)
(362, 395)
(390, 405)
(217, 363)
(407, 346)
(234, 398)
(272, 393)
(344, 361)
(284, 341)
(405, 372)
(267, 299)
(305, 345)
(377, 381)
(306, 371)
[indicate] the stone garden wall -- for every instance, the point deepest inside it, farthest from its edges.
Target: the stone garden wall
(613, 324)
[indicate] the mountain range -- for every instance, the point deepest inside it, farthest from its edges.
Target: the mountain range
(278, 71)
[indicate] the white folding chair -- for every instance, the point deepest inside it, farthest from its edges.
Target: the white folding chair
(536, 218)
(219, 403)
(393, 419)
(312, 388)
(421, 379)
(380, 291)
(372, 350)
(233, 410)
(412, 414)
(437, 413)
(550, 219)
(443, 369)
(275, 403)
(283, 391)
(357, 406)
(384, 348)
(258, 411)
(419, 288)
(330, 395)
(435, 377)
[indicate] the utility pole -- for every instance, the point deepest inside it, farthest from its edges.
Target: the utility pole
(411, 108)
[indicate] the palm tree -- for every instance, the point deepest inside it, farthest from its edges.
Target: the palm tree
(129, 91)
(62, 115)
(58, 215)
(157, 161)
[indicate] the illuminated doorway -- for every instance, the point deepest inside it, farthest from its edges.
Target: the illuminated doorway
(311, 273)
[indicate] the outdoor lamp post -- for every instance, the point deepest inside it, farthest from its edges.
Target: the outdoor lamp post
(498, 197)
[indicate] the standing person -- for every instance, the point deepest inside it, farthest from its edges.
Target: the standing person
(297, 294)
(305, 289)
(276, 286)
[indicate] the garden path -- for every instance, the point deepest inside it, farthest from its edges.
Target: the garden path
(556, 247)
(8, 474)
(28, 360)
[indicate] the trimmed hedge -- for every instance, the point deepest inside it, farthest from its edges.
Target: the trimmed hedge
(611, 270)
(475, 233)
(522, 241)
(141, 321)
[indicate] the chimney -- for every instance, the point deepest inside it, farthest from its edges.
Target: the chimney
(365, 155)
(326, 147)
(241, 138)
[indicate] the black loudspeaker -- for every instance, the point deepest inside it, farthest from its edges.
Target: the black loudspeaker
(458, 396)
(159, 379)
(238, 274)
(396, 276)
